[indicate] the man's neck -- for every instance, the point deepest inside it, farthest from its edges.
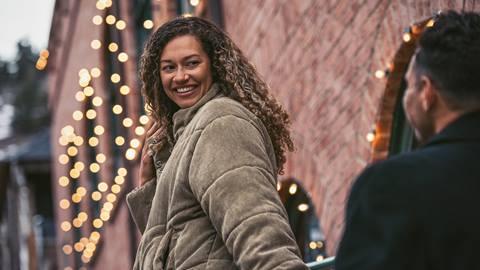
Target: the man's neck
(444, 119)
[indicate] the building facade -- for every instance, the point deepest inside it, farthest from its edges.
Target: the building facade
(325, 61)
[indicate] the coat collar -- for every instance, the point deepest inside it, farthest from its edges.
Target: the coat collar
(465, 128)
(182, 117)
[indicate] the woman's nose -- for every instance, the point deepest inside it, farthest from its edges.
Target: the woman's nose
(180, 76)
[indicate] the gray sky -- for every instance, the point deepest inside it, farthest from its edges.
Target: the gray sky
(24, 19)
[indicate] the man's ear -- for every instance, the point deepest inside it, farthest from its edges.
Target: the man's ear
(429, 95)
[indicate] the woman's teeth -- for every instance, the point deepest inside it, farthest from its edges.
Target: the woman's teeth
(185, 89)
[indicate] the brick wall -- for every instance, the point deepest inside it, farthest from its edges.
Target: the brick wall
(319, 58)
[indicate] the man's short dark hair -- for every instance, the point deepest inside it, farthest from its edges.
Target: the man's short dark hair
(449, 54)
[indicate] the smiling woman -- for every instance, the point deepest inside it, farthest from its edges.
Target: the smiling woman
(185, 71)
(207, 197)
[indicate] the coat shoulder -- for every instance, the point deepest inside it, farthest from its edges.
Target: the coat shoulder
(221, 107)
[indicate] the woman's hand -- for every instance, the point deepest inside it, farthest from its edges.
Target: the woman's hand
(147, 167)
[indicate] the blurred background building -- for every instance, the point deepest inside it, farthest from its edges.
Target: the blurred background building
(336, 66)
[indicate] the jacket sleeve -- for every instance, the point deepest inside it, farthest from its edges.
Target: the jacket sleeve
(378, 230)
(139, 200)
(234, 181)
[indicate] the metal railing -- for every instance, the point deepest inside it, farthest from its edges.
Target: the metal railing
(327, 263)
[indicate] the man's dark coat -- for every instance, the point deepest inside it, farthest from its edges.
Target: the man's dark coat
(419, 210)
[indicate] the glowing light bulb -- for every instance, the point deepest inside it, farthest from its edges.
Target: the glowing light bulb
(91, 114)
(65, 226)
(95, 72)
(139, 131)
(115, 188)
(119, 180)
(124, 90)
(127, 122)
(94, 167)
(303, 207)
(95, 44)
(115, 78)
(63, 181)
(67, 249)
(80, 96)
(96, 196)
(143, 119)
(77, 223)
(119, 140)
(63, 159)
(97, 19)
(122, 172)
(64, 204)
(117, 109)
(111, 198)
(113, 47)
(72, 151)
(76, 198)
(78, 140)
(130, 154)
(194, 2)
(407, 37)
(97, 223)
(110, 19)
(74, 173)
(63, 141)
(134, 143)
(82, 216)
(99, 130)
(101, 158)
(122, 57)
(81, 191)
(102, 186)
(88, 91)
(148, 24)
(79, 166)
(97, 101)
(120, 25)
(93, 141)
(292, 189)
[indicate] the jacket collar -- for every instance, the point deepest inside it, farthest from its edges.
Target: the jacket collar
(465, 128)
(182, 117)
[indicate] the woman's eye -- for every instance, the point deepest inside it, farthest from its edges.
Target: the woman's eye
(192, 63)
(168, 68)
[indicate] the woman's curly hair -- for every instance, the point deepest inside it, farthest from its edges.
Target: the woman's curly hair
(230, 68)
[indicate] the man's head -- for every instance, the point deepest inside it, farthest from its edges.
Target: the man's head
(444, 74)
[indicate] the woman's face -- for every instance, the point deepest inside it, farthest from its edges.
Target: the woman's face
(185, 71)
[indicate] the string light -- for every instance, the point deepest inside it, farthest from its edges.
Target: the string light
(110, 19)
(95, 72)
(122, 171)
(115, 78)
(100, 5)
(115, 188)
(74, 173)
(99, 130)
(79, 166)
(95, 44)
(88, 91)
(96, 196)
(97, 19)
(63, 141)
(148, 24)
(63, 181)
(130, 154)
(143, 119)
(292, 189)
(127, 122)
(81, 191)
(303, 207)
(76, 198)
(108, 206)
(94, 167)
(82, 216)
(64, 204)
(97, 223)
(77, 223)
(93, 141)
(78, 247)
(113, 47)
(135, 143)
(101, 158)
(117, 109)
(97, 101)
(380, 74)
(122, 57)
(111, 198)
(102, 186)
(279, 186)
(120, 25)
(139, 131)
(119, 179)
(63, 159)
(91, 114)
(430, 23)
(67, 130)
(65, 226)
(72, 151)
(80, 96)
(124, 90)
(194, 2)
(67, 249)
(119, 140)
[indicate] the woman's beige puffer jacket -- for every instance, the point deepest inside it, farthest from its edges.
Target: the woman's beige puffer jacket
(214, 204)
